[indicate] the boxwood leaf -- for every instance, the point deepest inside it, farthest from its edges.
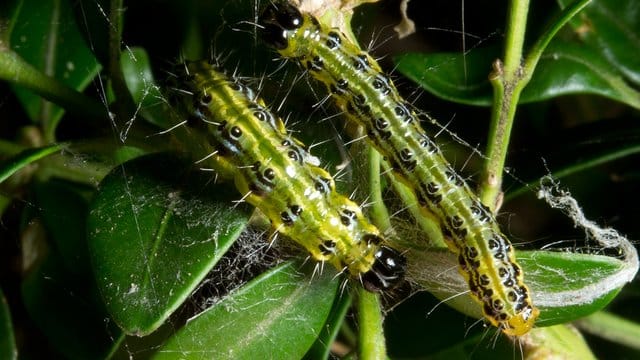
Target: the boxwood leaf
(281, 307)
(566, 67)
(54, 296)
(612, 27)
(142, 85)
(46, 36)
(153, 237)
(564, 286)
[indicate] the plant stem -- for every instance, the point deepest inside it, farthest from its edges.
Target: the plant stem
(48, 117)
(335, 324)
(551, 30)
(116, 346)
(506, 91)
(514, 44)
(371, 334)
(426, 221)
(612, 327)
(556, 342)
(379, 214)
(14, 69)
(508, 80)
(69, 168)
(124, 105)
(579, 166)
(27, 157)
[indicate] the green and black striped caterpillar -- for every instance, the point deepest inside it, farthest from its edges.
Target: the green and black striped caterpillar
(275, 173)
(370, 99)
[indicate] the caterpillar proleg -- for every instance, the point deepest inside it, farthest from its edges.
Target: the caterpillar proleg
(369, 98)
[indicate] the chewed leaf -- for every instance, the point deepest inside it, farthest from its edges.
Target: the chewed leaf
(152, 240)
(272, 309)
(564, 286)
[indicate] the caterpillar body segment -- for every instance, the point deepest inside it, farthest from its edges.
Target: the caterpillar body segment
(369, 98)
(274, 172)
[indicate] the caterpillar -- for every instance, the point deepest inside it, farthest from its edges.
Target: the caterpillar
(275, 173)
(367, 97)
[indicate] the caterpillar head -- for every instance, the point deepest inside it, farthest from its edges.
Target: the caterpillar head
(521, 323)
(387, 270)
(276, 20)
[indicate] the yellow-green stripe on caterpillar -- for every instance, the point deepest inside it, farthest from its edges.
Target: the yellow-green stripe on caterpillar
(370, 99)
(276, 174)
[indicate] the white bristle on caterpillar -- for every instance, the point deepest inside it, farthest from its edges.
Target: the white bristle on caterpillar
(369, 98)
(274, 172)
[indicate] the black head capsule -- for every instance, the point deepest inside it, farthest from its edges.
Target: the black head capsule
(387, 271)
(275, 20)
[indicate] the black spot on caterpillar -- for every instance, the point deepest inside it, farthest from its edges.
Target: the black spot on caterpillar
(370, 99)
(275, 173)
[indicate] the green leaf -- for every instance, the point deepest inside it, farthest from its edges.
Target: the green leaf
(588, 289)
(559, 341)
(26, 157)
(422, 326)
(611, 27)
(565, 68)
(46, 36)
(61, 289)
(139, 78)
(564, 286)
(53, 296)
(282, 307)
(612, 327)
(124, 153)
(64, 213)
(154, 237)
(16, 70)
(599, 63)
(8, 12)
(93, 17)
(568, 67)
(8, 348)
(581, 163)
(322, 346)
(443, 74)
